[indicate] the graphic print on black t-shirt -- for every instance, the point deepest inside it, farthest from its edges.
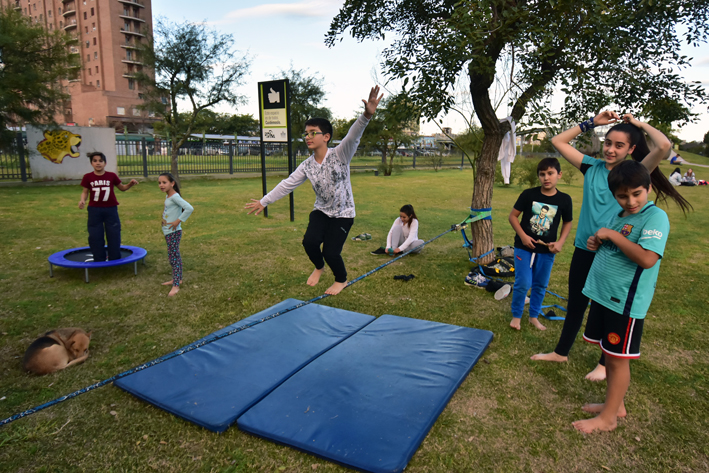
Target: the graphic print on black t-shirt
(542, 217)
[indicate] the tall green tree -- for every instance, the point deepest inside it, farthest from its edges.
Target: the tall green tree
(600, 53)
(390, 128)
(307, 97)
(189, 68)
(34, 63)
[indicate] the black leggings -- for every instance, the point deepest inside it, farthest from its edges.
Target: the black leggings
(331, 233)
(581, 263)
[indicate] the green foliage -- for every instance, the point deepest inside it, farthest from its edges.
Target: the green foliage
(192, 64)
(434, 160)
(568, 174)
(599, 53)
(387, 130)
(340, 127)
(524, 172)
(307, 93)
(34, 61)
(211, 122)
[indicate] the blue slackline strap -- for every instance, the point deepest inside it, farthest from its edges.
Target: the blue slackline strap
(194, 346)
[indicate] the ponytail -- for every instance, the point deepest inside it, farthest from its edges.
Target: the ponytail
(169, 177)
(662, 187)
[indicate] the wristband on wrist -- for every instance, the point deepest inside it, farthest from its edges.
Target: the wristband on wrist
(587, 125)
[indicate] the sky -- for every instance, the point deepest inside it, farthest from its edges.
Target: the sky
(276, 34)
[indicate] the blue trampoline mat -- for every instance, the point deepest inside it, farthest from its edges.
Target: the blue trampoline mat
(369, 402)
(214, 384)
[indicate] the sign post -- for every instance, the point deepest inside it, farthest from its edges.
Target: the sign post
(274, 111)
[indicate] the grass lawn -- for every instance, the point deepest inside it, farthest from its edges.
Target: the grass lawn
(511, 414)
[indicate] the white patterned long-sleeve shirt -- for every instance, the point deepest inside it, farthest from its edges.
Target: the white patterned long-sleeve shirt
(330, 179)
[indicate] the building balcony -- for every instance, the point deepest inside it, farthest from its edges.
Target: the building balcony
(134, 18)
(17, 5)
(138, 3)
(71, 10)
(69, 25)
(130, 46)
(74, 50)
(131, 61)
(125, 31)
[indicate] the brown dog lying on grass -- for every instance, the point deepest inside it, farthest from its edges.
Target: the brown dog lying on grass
(57, 350)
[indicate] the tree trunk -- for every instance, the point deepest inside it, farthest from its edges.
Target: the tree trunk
(481, 231)
(173, 164)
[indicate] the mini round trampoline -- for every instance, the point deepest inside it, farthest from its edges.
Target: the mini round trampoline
(82, 258)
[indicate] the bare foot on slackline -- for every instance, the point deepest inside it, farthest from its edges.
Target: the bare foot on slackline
(336, 288)
(534, 321)
(598, 374)
(516, 323)
(169, 283)
(174, 290)
(597, 408)
(314, 278)
(589, 425)
(549, 357)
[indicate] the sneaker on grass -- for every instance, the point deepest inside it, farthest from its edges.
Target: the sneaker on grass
(379, 251)
(475, 279)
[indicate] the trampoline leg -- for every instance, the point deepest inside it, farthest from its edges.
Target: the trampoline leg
(86, 272)
(51, 271)
(143, 260)
(135, 268)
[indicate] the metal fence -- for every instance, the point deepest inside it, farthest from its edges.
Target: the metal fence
(151, 158)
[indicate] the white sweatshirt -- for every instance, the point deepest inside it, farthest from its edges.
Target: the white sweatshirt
(411, 233)
(330, 179)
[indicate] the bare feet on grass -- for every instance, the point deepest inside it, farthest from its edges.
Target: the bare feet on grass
(314, 278)
(534, 321)
(169, 283)
(598, 374)
(174, 290)
(597, 408)
(336, 288)
(516, 323)
(589, 425)
(549, 357)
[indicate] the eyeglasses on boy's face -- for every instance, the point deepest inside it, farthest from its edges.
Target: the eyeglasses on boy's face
(311, 134)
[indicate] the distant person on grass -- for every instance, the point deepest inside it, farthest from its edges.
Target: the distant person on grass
(542, 209)
(598, 206)
(103, 208)
(621, 284)
(328, 170)
(403, 235)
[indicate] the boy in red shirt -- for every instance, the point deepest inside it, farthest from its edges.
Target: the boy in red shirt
(103, 208)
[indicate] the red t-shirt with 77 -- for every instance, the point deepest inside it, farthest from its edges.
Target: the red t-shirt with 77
(101, 188)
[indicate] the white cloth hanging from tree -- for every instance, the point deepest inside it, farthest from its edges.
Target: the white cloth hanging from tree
(508, 150)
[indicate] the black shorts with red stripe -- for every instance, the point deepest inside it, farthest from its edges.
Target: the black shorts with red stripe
(617, 334)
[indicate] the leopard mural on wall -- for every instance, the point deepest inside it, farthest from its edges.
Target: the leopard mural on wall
(58, 144)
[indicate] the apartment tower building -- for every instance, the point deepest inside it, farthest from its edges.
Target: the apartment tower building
(109, 32)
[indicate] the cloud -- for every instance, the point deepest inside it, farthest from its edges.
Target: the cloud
(704, 61)
(302, 9)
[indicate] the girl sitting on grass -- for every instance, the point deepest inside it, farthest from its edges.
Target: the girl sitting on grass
(404, 233)
(176, 211)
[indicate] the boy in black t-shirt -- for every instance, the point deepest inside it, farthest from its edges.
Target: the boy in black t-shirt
(542, 208)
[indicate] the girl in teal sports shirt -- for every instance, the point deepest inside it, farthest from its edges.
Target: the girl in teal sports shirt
(627, 138)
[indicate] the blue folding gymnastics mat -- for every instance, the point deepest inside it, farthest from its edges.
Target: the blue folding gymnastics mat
(369, 402)
(214, 384)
